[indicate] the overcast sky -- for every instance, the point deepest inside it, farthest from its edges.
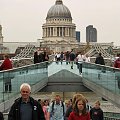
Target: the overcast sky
(22, 20)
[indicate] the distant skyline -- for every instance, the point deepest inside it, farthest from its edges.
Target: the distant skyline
(22, 20)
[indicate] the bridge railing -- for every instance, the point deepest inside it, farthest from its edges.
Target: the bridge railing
(107, 77)
(106, 80)
(10, 80)
(111, 116)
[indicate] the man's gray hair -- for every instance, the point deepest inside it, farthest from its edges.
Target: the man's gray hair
(25, 85)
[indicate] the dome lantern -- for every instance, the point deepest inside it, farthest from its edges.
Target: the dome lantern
(58, 2)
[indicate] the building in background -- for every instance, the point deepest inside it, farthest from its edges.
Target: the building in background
(59, 33)
(78, 36)
(91, 34)
(2, 48)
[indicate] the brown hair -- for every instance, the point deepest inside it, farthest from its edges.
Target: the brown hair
(75, 97)
(84, 111)
(6, 55)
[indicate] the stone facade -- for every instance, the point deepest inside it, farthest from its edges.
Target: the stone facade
(59, 33)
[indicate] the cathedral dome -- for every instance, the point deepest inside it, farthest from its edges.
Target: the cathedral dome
(59, 11)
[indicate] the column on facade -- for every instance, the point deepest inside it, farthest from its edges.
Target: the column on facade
(54, 31)
(59, 31)
(47, 32)
(51, 31)
(71, 29)
(43, 33)
(63, 31)
(68, 31)
(73, 32)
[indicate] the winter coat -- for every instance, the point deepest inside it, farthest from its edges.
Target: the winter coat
(74, 116)
(72, 56)
(117, 63)
(1, 116)
(96, 114)
(100, 60)
(36, 58)
(37, 112)
(7, 64)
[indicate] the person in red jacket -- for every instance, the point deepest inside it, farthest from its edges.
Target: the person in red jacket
(7, 64)
(117, 72)
(117, 62)
(79, 111)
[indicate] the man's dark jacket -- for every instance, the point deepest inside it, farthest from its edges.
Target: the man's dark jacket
(37, 112)
(96, 114)
(100, 60)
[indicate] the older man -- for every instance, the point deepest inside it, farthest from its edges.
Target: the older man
(25, 107)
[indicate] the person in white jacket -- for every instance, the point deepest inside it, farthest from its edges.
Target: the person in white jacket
(80, 59)
(87, 58)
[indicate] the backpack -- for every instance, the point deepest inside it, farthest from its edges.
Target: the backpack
(61, 106)
(88, 107)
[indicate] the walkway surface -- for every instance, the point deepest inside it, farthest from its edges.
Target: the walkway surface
(56, 67)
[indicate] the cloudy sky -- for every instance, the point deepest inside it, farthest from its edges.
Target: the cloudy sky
(22, 20)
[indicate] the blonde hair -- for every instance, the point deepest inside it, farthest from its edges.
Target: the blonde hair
(97, 102)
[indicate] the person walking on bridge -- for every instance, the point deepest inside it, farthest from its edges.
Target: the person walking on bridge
(100, 59)
(96, 113)
(6, 65)
(25, 107)
(117, 72)
(57, 109)
(72, 58)
(1, 116)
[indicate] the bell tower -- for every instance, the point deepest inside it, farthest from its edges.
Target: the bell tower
(1, 37)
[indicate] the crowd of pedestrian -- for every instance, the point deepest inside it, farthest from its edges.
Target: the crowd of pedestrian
(77, 108)
(40, 56)
(71, 57)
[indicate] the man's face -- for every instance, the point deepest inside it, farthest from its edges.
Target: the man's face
(57, 98)
(25, 93)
